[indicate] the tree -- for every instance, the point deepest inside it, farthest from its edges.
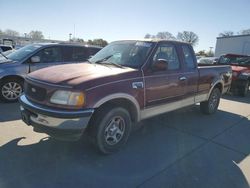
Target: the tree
(201, 53)
(1, 32)
(188, 36)
(36, 35)
(165, 35)
(245, 32)
(11, 32)
(98, 42)
(147, 36)
(226, 34)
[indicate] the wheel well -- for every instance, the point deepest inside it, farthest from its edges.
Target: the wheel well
(219, 86)
(125, 103)
(12, 77)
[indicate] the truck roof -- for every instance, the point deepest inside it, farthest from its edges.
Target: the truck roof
(154, 40)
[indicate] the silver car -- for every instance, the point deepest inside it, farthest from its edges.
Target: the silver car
(16, 65)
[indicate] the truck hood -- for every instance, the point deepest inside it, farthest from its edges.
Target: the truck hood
(76, 74)
(236, 68)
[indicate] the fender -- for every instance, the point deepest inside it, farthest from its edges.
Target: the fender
(120, 96)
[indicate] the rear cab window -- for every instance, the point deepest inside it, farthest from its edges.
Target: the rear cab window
(188, 57)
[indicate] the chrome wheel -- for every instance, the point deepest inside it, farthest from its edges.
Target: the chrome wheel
(115, 130)
(214, 100)
(11, 90)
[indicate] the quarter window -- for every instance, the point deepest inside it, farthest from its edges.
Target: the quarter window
(188, 57)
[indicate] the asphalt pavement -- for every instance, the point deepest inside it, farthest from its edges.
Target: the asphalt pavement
(180, 149)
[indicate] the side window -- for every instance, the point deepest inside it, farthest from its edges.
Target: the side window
(188, 57)
(93, 51)
(67, 52)
(50, 55)
(80, 54)
(168, 52)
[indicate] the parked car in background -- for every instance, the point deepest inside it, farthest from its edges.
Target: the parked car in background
(125, 82)
(4, 48)
(241, 72)
(14, 66)
(207, 60)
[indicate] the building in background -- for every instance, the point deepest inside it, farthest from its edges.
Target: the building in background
(238, 44)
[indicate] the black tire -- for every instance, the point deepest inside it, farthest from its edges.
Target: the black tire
(244, 90)
(211, 106)
(10, 89)
(110, 128)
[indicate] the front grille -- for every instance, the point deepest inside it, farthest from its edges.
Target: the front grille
(35, 92)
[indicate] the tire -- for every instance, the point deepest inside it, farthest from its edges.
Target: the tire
(110, 129)
(244, 90)
(211, 106)
(10, 89)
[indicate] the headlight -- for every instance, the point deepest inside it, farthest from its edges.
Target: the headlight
(68, 98)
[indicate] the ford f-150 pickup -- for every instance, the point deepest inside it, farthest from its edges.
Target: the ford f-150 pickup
(124, 83)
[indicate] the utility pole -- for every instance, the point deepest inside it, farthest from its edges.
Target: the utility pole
(70, 37)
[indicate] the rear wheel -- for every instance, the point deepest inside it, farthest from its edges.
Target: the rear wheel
(110, 129)
(211, 106)
(244, 90)
(10, 89)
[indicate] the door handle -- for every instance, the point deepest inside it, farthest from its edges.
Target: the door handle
(183, 78)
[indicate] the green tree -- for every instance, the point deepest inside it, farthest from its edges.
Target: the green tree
(37, 35)
(188, 36)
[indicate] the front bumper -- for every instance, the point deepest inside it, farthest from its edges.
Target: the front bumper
(60, 124)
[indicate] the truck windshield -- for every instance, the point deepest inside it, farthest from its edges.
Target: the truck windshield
(23, 52)
(124, 53)
(235, 60)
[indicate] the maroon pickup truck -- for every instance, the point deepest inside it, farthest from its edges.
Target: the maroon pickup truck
(124, 83)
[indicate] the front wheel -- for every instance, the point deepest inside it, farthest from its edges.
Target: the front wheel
(211, 105)
(110, 129)
(10, 90)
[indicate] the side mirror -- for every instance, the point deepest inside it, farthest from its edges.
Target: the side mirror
(35, 59)
(160, 65)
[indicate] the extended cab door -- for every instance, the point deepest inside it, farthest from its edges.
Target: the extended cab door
(164, 86)
(190, 73)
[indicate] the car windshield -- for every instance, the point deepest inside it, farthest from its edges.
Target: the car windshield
(23, 52)
(235, 60)
(124, 53)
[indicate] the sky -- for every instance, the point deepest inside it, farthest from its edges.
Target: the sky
(125, 19)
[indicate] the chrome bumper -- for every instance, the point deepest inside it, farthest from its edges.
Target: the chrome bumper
(61, 124)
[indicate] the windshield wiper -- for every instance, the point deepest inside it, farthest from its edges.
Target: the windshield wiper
(103, 59)
(4, 55)
(115, 64)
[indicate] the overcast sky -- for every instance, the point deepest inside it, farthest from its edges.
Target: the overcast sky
(127, 19)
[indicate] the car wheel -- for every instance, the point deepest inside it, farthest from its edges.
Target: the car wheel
(244, 90)
(211, 106)
(10, 90)
(110, 129)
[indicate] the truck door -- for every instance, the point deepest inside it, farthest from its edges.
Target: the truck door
(164, 86)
